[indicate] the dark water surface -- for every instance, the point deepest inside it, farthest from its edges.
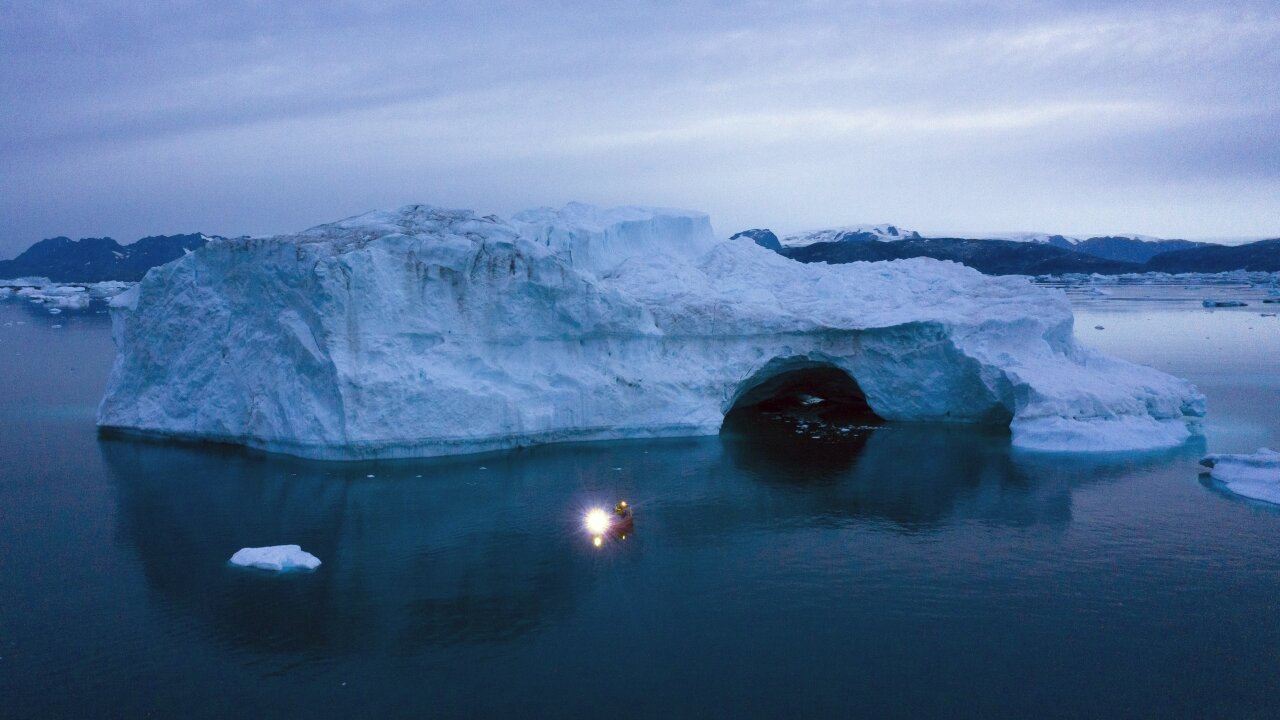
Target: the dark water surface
(910, 572)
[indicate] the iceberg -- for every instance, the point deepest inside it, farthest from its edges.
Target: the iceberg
(59, 297)
(280, 558)
(1255, 475)
(429, 331)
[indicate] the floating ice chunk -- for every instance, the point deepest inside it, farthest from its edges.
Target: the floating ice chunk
(108, 289)
(26, 282)
(63, 291)
(1135, 433)
(1209, 303)
(57, 297)
(281, 558)
(1254, 476)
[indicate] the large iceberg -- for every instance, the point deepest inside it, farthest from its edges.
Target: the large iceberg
(427, 331)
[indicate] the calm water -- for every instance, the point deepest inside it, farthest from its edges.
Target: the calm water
(915, 572)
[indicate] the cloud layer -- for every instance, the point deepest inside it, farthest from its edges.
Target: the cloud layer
(125, 119)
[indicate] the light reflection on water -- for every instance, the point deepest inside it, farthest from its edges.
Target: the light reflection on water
(457, 556)
(919, 571)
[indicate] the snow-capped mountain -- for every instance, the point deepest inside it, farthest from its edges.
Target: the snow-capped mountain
(1004, 252)
(1057, 240)
(850, 233)
(1129, 247)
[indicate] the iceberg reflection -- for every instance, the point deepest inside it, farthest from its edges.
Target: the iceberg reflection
(483, 550)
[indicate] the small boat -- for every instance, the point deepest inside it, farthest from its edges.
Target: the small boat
(623, 519)
(617, 524)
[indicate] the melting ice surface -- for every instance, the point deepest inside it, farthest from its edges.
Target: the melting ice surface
(427, 331)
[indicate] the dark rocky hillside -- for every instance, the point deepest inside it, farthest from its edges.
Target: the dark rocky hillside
(993, 257)
(763, 238)
(1263, 255)
(1108, 255)
(62, 259)
(1127, 249)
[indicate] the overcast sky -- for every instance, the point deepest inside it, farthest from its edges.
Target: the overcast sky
(131, 118)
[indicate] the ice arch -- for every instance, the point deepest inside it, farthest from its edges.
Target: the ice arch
(785, 384)
(430, 331)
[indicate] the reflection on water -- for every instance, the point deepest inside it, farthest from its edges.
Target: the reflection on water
(490, 548)
(887, 571)
(407, 560)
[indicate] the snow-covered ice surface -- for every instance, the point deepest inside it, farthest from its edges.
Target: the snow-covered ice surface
(882, 233)
(1254, 475)
(26, 282)
(428, 331)
(281, 558)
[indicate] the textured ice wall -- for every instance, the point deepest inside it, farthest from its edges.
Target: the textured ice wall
(428, 331)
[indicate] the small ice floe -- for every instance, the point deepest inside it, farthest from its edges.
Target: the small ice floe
(1254, 476)
(809, 399)
(1210, 303)
(280, 558)
(108, 289)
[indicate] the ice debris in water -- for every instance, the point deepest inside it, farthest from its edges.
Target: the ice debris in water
(280, 558)
(58, 297)
(1254, 475)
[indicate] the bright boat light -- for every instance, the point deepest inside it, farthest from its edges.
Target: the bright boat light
(597, 521)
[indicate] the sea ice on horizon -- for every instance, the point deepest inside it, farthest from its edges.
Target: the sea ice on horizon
(59, 296)
(1255, 475)
(429, 331)
(279, 558)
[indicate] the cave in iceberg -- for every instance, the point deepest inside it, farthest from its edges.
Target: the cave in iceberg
(429, 331)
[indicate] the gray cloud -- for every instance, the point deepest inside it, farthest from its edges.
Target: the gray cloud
(126, 119)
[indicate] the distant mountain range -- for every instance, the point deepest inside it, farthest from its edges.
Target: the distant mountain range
(87, 260)
(97, 259)
(1023, 253)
